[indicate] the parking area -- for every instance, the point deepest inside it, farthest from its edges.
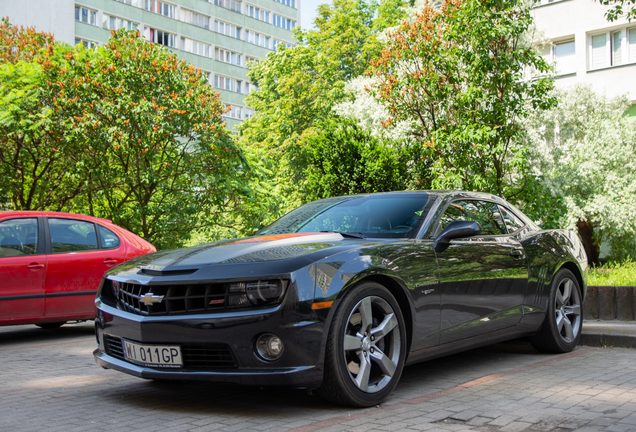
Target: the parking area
(49, 381)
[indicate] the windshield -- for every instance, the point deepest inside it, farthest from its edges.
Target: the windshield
(389, 215)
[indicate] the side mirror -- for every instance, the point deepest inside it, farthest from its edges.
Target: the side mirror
(456, 229)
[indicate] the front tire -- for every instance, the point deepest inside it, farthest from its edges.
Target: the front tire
(561, 329)
(366, 348)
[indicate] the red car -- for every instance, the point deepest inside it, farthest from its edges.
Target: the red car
(51, 264)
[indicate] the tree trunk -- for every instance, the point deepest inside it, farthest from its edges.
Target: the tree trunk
(586, 231)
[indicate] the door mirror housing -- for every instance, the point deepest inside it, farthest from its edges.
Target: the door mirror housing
(454, 230)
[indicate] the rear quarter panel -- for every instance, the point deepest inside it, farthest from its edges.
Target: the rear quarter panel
(548, 251)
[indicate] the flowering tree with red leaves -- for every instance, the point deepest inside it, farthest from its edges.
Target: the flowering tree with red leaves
(137, 133)
(458, 75)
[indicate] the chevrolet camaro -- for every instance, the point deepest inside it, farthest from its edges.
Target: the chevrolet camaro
(340, 294)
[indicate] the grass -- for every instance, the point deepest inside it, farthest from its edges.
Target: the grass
(614, 274)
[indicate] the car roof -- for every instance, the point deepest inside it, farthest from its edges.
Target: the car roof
(439, 193)
(34, 213)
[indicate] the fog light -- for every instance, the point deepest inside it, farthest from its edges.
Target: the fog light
(269, 347)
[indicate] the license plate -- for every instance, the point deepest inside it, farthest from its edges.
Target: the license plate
(162, 356)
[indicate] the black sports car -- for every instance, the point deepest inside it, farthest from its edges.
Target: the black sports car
(340, 294)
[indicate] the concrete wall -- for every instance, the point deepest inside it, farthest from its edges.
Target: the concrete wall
(53, 16)
(610, 303)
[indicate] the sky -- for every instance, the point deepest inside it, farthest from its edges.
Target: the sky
(308, 12)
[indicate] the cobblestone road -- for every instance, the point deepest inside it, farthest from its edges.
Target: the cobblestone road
(50, 382)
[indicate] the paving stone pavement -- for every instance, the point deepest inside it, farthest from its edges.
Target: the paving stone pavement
(49, 381)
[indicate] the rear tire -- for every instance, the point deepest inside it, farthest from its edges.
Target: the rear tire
(50, 326)
(561, 328)
(366, 348)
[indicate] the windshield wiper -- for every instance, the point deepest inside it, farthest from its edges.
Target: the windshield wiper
(346, 234)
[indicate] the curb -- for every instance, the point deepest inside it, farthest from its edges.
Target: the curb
(603, 340)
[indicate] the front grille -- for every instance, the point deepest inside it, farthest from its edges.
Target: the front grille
(195, 357)
(178, 299)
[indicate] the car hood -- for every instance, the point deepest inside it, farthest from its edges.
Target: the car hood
(295, 250)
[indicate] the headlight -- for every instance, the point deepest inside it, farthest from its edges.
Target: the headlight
(260, 293)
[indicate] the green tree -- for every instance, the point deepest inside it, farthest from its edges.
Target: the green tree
(619, 9)
(127, 132)
(168, 162)
(585, 152)
(298, 88)
(456, 76)
(342, 159)
(34, 155)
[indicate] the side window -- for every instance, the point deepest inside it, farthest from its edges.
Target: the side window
(108, 238)
(18, 237)
(70, 235)
(513, 223)
(485, 213)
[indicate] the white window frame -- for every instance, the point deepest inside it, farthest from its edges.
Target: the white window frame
(196, 47)
(223, 54)
(235, 31)
(154, 39)
(627, 50)
(128, 25)
(91, 15)
(188, 16)
(88, 44)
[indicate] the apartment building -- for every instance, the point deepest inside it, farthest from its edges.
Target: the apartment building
(586, 48)
(221, 37)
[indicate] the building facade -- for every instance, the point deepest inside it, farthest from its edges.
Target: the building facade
(588, 49)
(221, 37)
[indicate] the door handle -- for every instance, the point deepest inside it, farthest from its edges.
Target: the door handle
(110, 262)
(516, 253)
(35, 266)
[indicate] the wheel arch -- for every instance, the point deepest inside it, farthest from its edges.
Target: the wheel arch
(576, 271)
(398, 291)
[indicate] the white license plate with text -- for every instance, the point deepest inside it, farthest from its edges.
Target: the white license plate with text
(164, 356)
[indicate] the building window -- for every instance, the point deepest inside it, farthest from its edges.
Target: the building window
(160, 37)
(87, 43)
(234, 112)
(257, 13)
(196, 47)
(248, 112)
(613, 48)
(631, 45)
(228, 56)
(285, 23)
(196, 19)
(600, 57)
(290, 3)
(113, 23)
(277, 42)
(232, 5)
(229, 84)
(85, 15)
(257, 39)
(136, 3)
(617, 48)
(564, 57)
(162, 8)
(227, 29)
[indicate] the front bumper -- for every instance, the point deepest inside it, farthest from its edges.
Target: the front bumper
(299, 365)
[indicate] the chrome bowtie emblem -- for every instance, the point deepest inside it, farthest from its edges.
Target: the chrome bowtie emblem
(149, 299)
